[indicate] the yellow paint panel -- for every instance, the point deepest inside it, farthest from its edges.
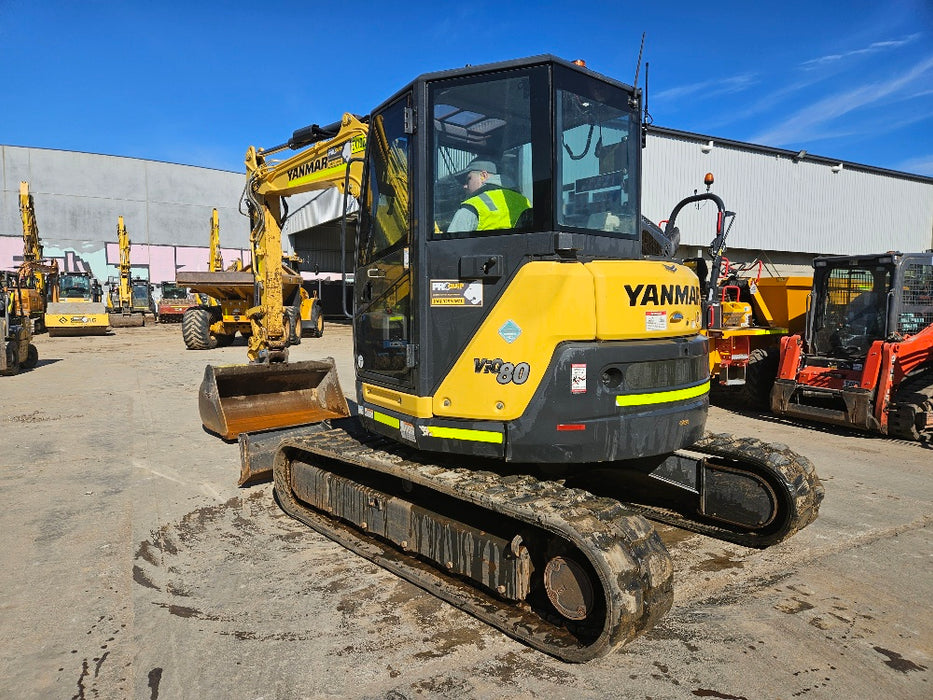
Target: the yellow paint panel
(548, 302)
(643, 298)
(75, 320)
(415, 406)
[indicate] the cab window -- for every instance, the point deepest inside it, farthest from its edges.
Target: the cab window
(597, 147)
(485, 123)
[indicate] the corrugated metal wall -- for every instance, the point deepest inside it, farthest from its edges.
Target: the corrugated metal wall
(783, 205)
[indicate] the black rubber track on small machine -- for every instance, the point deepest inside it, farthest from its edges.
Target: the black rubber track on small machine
(631, 564)
(791, 476)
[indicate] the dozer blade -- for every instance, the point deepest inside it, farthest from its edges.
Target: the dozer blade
(249, 398)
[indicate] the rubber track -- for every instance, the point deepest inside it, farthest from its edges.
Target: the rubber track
(790, 474)
(632, 564)
(916, 393)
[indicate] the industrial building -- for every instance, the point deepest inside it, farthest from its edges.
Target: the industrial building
(789, 205)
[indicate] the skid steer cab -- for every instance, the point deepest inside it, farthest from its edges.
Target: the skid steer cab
(866, 359)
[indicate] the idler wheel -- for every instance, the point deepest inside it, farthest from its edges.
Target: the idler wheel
(569, 588)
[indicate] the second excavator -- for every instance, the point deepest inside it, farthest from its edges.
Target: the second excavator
(528, 391)
(129, 301)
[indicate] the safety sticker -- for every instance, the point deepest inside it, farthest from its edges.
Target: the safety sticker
(656, 320)
(510, 331)
(577, 379)
(407, 430)
(456, 293)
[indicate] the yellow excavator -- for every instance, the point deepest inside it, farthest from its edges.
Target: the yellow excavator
(270, 392)
(129, 301)
(38, 277)
(528, 392)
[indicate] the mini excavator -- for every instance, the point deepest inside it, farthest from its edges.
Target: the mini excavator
(525, 396)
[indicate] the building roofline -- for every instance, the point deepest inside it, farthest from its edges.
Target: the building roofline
(113, 155)
(790, 154)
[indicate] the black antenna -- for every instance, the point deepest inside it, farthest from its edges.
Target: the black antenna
(638, 64)
(648, 118)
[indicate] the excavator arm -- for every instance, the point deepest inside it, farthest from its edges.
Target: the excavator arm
(216, 261)
(44, 272)
(125, 289)
(271, 392)
(332, 158)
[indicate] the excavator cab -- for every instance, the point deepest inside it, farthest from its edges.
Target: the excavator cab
(499, 230)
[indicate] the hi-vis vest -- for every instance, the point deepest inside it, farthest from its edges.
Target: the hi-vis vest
(497, 208)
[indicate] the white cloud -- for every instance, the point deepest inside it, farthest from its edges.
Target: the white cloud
(820, 115)
(921, 165)
(708, 89)
(875, 47)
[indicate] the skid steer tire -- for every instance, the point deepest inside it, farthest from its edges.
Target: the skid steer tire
(32, 357)
(196, 329)
(12, 358)
(317, 320)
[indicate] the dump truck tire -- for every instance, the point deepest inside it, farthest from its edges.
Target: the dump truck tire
(196, 329)
(759, 378)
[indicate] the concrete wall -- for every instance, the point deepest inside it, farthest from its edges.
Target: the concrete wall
(78, 196)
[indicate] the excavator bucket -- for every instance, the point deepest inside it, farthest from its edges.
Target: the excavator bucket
(249, 398)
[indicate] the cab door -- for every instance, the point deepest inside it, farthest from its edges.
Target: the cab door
(382, 285)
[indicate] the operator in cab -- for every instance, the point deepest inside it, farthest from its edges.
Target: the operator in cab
(488, 205)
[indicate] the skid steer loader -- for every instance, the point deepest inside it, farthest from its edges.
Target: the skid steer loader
(528, 388)
(866, 358)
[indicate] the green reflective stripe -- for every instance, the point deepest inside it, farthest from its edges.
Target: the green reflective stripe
(464, 434)
(387, 420)
(663, 396)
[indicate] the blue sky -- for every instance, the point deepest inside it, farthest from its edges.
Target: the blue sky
(197, 82)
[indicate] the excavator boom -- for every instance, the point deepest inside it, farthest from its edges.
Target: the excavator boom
(270, 392)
